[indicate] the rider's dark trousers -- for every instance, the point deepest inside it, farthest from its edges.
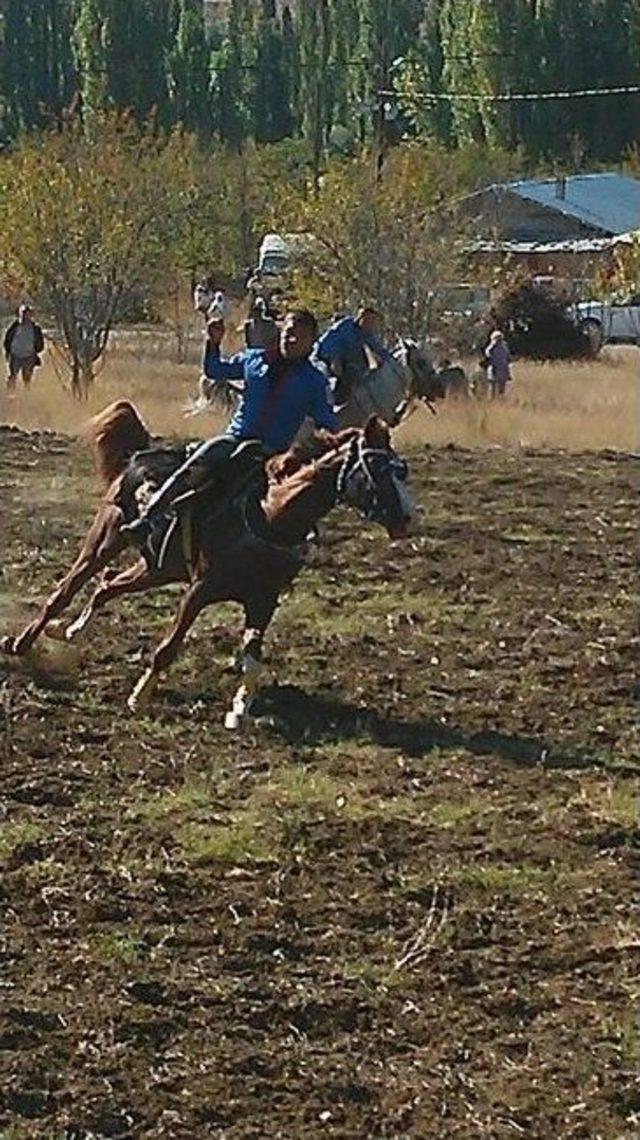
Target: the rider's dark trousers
(203, 462)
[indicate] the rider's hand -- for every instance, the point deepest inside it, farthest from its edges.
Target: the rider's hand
(283, 465)
(215, 331)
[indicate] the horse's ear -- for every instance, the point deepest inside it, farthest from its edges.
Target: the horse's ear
(377, 434)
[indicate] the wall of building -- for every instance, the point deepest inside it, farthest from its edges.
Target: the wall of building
(502, 214)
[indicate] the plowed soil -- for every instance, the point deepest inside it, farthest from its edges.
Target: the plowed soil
(399, 904)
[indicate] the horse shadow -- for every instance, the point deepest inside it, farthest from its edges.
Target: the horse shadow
(316, 718)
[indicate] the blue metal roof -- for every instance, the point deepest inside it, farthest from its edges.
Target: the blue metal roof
(608, 201)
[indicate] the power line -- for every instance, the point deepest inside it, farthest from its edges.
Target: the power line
(517, 97)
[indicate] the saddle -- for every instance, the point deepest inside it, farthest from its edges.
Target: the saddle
(243, 468)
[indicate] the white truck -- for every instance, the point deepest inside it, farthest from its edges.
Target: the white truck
(614, 321)
(277, 256)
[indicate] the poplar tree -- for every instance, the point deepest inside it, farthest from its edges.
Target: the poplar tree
(91, 55)
(189, 70)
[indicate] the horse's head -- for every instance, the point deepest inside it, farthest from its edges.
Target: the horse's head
(425, 381)
(373, 480)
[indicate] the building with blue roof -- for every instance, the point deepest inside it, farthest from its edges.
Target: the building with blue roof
(579, 206)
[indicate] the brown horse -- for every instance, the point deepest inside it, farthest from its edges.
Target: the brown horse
(247, 548)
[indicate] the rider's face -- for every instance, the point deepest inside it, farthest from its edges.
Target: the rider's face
(369, 322)
(296, 339)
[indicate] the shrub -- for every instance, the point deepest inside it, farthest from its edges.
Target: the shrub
(537, 324)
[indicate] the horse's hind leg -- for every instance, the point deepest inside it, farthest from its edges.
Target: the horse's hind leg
(102, 543)
(135, 578)
(192, 602)
(258, 614)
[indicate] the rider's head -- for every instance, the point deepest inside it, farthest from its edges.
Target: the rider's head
(369, 319)
(298, 333)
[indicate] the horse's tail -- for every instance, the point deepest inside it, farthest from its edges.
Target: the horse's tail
(114, 435)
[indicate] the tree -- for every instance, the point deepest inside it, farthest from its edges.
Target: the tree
(106, 229)
(138, 37)
(313, 33)
(231, 69)
(273, 117)
(189, 70)
(90, 47)
(386, 241)
(36, 62)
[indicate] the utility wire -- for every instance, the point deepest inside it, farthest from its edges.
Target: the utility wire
(516, 97)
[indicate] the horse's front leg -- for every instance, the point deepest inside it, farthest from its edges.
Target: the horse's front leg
(257, 618)
(192, 602)
(133, 580)
(102, 543)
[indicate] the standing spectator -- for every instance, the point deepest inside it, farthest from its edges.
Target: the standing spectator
(499, 363)
(260, 329)
(23, 343)
(219, 308)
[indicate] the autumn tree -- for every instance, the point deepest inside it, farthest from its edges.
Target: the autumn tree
(106, 229)
(386, 241)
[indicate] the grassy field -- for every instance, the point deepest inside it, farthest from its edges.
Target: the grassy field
(401, 904)
(573, 406)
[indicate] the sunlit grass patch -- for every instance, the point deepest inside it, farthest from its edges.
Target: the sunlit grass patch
(373, 976)
(117, 946)
(297, 787)
(448, 813)
(628, 1033)
(192, 797)
(15, 834)
(373, 613)
(617, 804)
(243, 840)
(508, 878)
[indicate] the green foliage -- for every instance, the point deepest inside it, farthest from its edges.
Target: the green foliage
(189, 71)
(322, 70)
(108, 226)
(385, 240)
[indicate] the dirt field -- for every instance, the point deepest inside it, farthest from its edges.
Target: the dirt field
(401, 904)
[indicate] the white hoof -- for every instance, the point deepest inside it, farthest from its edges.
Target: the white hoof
(239, 709)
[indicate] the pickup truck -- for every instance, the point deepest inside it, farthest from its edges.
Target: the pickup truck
(609, 322)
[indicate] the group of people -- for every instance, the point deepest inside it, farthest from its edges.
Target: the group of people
(284, 385)
(285, 369)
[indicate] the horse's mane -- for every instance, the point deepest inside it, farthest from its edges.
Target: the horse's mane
(307, 452)
(114, 435)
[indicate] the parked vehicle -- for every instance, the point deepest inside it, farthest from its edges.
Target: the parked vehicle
(462, 299)
(277, 256)
(615, 321)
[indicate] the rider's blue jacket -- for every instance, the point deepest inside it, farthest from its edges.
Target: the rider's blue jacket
(345, 340)
(276, 398)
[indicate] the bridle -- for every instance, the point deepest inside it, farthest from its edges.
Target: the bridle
(358, 464)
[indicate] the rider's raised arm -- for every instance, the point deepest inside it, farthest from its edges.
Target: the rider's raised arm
(215, 368)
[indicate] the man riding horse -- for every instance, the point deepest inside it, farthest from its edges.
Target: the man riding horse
(282, 389)
(343, 349)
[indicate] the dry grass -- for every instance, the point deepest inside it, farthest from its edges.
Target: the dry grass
(573, 406)
(577, 407)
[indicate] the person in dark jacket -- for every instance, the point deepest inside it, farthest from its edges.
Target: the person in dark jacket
(342, 349)
(23, 343)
